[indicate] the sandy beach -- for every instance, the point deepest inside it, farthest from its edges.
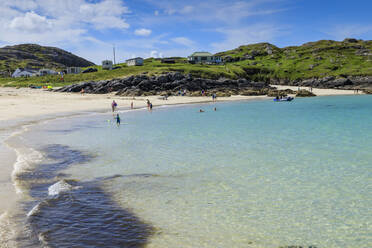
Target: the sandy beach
(24, 103)
(318, 92)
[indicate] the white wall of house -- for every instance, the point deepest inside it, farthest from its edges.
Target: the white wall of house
(73, 70)
(134, 62)
(107, 65)
(23, 73)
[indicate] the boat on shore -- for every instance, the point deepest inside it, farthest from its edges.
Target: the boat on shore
(284, 99)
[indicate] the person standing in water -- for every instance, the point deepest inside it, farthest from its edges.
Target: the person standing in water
(113, 105)
(117, 120)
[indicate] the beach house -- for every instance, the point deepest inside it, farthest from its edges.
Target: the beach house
(44, 72)
(135, 61)
(204, 58)
(107, 65)
(73, 70)
(24, 72)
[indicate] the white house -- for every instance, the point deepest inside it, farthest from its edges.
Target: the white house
(73, 70)
(107, 65)
(134, 61)
(44, 72)
(204, 57)
(22, 72)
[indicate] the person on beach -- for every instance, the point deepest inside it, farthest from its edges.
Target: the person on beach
(214, 97)
(117, 120)
(148, 103)
(150, 106)
(113, 105)
(131, 105)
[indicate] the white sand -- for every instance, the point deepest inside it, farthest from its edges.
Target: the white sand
(23, 103)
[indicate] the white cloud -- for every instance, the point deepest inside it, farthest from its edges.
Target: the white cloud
(187, 9)
(184, 41)
(52, 22)
(143, 32)
(248, 35)
(156, 54)
(156, 13)
(31, 22)
(340, 32)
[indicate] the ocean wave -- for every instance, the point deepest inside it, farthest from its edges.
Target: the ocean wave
(26, 158)
(61, 186)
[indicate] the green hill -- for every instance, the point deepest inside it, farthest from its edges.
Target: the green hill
(35, 56)
(259, 62)
(350, 57)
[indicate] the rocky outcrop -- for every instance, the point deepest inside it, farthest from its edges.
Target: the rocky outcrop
(330, 82)
(170, 84)
(304, 93)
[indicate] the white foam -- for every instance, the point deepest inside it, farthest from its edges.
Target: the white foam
(34, 210)
(26, 157)
(59, 187)
(6, 231)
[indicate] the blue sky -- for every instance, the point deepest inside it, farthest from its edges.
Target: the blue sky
(161, 28)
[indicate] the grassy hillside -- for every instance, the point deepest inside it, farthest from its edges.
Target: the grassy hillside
(257, 62)
(35, 56)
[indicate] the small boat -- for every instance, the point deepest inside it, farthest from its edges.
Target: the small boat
(284, 99)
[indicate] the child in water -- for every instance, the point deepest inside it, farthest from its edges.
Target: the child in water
(117, 120)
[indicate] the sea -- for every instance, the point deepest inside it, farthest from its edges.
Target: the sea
(248, 174)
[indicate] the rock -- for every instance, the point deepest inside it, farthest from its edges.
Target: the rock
(304, 93)
(350, 40)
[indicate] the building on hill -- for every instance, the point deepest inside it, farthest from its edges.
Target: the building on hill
(135, 61)
(168, 61)
(24, 72)
(204, 58)
(73, 70)
(44, 72)
(107, 65)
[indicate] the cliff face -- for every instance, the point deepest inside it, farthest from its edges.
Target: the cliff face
(36, 56)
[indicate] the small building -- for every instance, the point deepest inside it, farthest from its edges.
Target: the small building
(204, 57)
(44, 72)
(107, 65)
(24, 72)
(168, 61)
(135, 61)
(73, 70)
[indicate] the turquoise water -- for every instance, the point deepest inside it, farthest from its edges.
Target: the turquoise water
(251, 174)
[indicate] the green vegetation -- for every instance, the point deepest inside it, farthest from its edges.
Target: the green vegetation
(257, 62)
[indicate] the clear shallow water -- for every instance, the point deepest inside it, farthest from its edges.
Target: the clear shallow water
(251, 174)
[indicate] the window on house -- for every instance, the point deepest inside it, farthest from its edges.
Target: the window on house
(203, 58)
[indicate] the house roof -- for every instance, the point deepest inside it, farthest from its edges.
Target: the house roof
(134, 59)
(201, 54)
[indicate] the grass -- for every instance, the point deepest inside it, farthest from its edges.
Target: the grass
(316, 59)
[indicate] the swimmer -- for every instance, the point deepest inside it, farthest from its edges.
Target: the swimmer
(215, 109)
(117, 120)
(201, 111)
